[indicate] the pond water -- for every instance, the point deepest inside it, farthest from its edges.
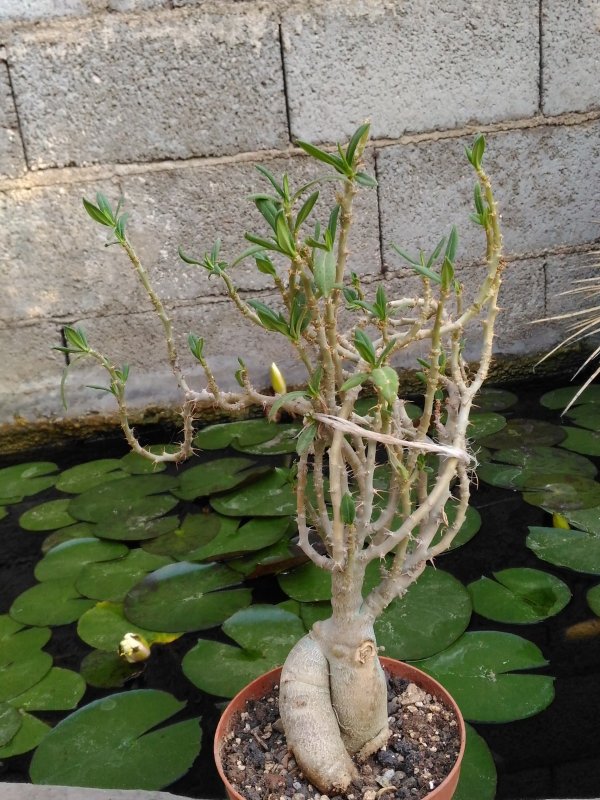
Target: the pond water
(552, 752)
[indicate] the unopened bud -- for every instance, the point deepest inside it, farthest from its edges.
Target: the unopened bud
(277, 380)
(134, 648)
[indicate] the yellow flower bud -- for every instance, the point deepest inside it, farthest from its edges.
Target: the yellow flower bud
(558, 521)
(277, 380)
(133, 648)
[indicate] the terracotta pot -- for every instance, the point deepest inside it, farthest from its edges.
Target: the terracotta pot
(261, 686)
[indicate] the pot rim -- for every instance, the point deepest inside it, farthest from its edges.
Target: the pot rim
(260, 685)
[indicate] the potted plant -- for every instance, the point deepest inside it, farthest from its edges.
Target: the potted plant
(371, 486)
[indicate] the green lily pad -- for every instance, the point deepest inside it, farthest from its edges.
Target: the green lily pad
(105, 670)
(306, 583)
(558, 399)
(81, 530)
(111, 580)
(253, 535)
(82, 477)
(483, 672)
(577, 550)
(18, 675)
(195, 532)
(215, 476)
(281, 556)
(492, 399)
(546, 459)
(593, 599)
(59, 690)
(3, 513)
(586, 416)
(29, 735)
(118, 744)
(126, 497)
(413, 627)
(586, 519)
(562, 492)
(467, 530)
(135, 464)
(581, 441)
(66, 560)
(265, 634)
(270, 496)
(314, 612)
(53, 602)
(283, 440)
(530, 431)
(105, 625)
(243, 433)
(10, 722)
(25, 480)
(138, 527)
(485, 424)
(477, 772)
(47, 516)
(185, 597)
(16, 643)
(519, 596)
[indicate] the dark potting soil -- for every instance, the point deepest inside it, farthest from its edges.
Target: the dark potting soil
(420, 752)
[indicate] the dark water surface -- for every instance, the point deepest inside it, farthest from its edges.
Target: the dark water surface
(555, 754)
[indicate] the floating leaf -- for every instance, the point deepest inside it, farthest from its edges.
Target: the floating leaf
(270, 496)
(16, 643)
(242, 433)
(577, 550)
(195, 532)
(517, 431)
(467, 530)
(185, 597)
(593, 599)
(66, 560)
(54, 602)
(82, 477)
(215, 476)
(283, 555)
(484, 424)
(19, 674)
(482, 671)
(283, 441)
(59, 690)
(306, 584)
(558, 399)
(111, 580)
(491, 399)
(581, 441)
(47, 516)
(118, 744)
(414, 627)
(519, 596)
(586, 416)
(10, 722)
(265, 634)
(29, 735)
(135, 464)
(81, 530)
(546, 459)
(129, 496)
(477, 772)
(105, 670)
(138, 527)
(586, 519)
(254, 535)
(25, 480)
(105, 625)
(562, 492)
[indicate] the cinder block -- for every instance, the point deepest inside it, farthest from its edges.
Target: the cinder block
(410, 66)
(570, 56)
(33, 10)
(193, 206)
(540, 176)
(173, 84)
(12, 159)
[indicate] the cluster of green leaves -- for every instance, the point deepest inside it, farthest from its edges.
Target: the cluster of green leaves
(424, 265)
(104, 215)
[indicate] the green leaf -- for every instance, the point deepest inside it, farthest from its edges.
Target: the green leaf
(517, 431)
(185, 597)
(47, 516)
(111, 580)
(119, 745)
(304, 212)
(81, 477)
(593, 599)
(355, 380)
(125, 498)
(28, 737)
(54, 602)
(25, 480)
(272, 495)
(66, 560)
(265, 265)
(576, 550)
(386, 381)
(267, 244)
(483, 672)
(269, 176)
(283, 399)
(477, 772)
(233, 540)
(285, 240)
(218, 475)
(10, 722)
(105, 625)
(581, 441)
(361, 132)
(195, 532)
(450, 254)
(320, 155)
(519, 596)
(269, 319)
(324, 267)
(188, 259)
(348, 509)
(20, 674)
(557, 399)
(59, 690)
(365, 347)
(468, 529)
(484, 424)
(97, 215)
(105, 670)
(475, 153)
(306, 437)
(421, 269)
(365, 180)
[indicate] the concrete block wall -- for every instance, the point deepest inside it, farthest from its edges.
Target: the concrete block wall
(172, 102)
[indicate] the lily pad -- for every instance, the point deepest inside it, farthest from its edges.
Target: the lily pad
(138, 527)
(413, 627)
(546, 459)
(306, 584)
(581, 441)
(562, 492)
(105, 625)
(477, 772)
(82, 477)
(467, 530)
(111, 580)
(485, 424)
(528, 431)
(284, 440)
(265, 635)
(585, 519)
(18, 675)
(17, 642)
(59, 690)
(105, 670)
(593, 598)
(242, 433)
(577, 550)
(215, 476)
(135, 464)
(281, 556)
(118, 744)
(29, 735)
(10, 722)
(195, 532)
(586, 416)
(558, 399)
(25, 480)
(483, 672)
(492, 399)
(186, 597)
(53, 602)
(3, 512)
(81, 530)
(270, 496)
(253, 535)
(519, 596)
(66, 560)
(129, 496)
(47, 516)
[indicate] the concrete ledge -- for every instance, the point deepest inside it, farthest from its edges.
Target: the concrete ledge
(28, 791)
